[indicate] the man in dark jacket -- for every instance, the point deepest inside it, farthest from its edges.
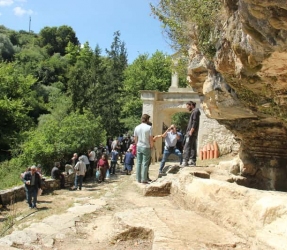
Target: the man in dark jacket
(32, 182)
(189, 150)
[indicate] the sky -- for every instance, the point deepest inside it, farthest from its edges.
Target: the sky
(93, 21)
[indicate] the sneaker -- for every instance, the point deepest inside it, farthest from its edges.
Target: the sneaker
(192, 163)
(184, 165)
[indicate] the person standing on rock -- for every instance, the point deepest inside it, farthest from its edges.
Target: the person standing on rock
(144, 142)
(189, 150)
(171, 136)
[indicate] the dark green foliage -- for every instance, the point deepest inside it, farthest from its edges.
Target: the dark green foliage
(7, 49)
(109, 87)
(57, 97)
(145, 73)
(56, 39)
(56, 138)
(181, 120)
(16, 98)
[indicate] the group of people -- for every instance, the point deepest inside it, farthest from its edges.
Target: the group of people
(144, 139)
(84, 165)
(140, 147)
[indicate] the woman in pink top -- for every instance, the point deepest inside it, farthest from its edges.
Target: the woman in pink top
(103, 165)
(133, 147)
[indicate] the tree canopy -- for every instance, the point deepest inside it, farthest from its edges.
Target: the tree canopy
(58, 97)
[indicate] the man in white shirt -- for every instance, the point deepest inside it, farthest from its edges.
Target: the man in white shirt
(144, 141)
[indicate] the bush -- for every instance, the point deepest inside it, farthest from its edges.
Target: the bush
(56, 140)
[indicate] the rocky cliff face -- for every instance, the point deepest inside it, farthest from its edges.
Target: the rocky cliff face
(244, 86)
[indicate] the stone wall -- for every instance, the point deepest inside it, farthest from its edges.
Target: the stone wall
(15, 194)
(211, 130)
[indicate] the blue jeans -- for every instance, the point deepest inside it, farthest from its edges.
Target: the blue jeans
(31, 194)
(167, 153)
(79, 180)
(143, 160)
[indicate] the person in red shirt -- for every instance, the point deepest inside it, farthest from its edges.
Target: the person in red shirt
(103, 165)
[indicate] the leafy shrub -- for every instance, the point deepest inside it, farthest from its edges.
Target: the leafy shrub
(56, 140)
(187, 21)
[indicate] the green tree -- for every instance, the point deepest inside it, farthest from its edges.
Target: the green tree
(16, 101)
(145, 73)
(78, 86)
(57, 139)
(110, 85)
(28, 59)
(187, 21)
(72, 52)
(56, 39)
(7, 49)
(53, 69)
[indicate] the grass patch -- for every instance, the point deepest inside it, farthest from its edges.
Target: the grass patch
(10, 175)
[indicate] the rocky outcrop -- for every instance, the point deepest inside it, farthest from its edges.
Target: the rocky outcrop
(244, 86)
(255, 215)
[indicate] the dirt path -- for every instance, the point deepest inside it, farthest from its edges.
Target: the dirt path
(113, 215)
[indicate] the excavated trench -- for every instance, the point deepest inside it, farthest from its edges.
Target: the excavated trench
(186, 209)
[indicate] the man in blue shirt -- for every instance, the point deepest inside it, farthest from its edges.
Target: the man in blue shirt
(171, 137)
(114, 159)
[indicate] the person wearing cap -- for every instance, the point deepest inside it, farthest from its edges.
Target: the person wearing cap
(144, 143)
(189, 150)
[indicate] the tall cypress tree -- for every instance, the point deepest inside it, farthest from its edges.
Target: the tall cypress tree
(111, 85)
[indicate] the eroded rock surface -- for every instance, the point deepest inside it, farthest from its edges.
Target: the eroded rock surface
(199, 213)
(244, 86)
